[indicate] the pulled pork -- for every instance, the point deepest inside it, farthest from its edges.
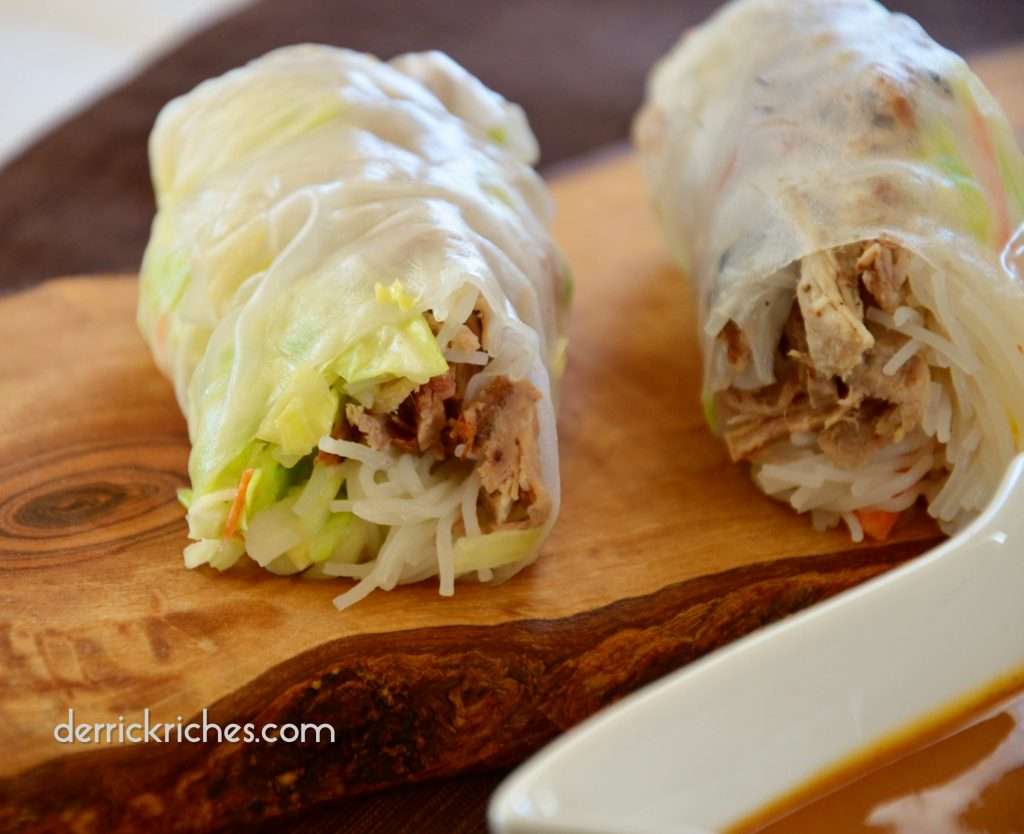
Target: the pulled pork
(496, 430)
(833, 315)
(830, 364)
(878, 272)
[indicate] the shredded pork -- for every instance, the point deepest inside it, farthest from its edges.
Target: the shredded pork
(428, 402)
(496, 430)
(881, 274)
(833, 315)
(830, 367)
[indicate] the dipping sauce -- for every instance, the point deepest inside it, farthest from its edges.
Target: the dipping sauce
(971, 782)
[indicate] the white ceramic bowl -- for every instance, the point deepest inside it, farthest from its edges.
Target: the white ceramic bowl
(707, 746)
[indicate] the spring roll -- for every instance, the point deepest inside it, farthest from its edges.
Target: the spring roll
(352, 285)
(840, 189)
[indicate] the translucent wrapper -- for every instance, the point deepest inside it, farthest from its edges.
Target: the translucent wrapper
(788, 137)
(341, 244)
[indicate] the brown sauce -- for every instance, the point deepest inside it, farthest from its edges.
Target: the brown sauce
(962, 773)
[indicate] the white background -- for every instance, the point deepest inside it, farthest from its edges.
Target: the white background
(57, 55)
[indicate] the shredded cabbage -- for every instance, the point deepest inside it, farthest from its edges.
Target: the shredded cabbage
(267, 485)
(288, 564)
(218, 553)
(199, 553)
(207, 514)
(342, 538)
(301, 530)
(394, 294)
(940, 148)
(493, 550)
(393, 351)
(228, 552)
(274, 531)
(302, 414)
(313, 505)
(360, 538)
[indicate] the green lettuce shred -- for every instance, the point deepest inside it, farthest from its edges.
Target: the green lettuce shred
(493, 550)
(302, 414)
(710, 411)
(391, 351)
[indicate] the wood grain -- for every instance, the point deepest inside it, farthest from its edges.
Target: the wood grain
(98, 613)
(664, 551)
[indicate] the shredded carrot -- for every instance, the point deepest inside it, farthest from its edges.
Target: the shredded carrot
(238, 505)
(877, 523)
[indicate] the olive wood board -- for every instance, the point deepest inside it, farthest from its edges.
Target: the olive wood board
(663, 552)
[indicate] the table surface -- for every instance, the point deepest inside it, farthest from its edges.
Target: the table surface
(78, 200)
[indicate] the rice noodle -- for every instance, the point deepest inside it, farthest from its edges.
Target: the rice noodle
(446, 556)
(901, 502)
(873, 314)
(854, 526)
(467, 357)
(901, 357)
(964, 361)
(392, 511)
(348, 571)
(456, 316)
(469, 499)
(408, 541)
(354, 451)
(362, 589)
(822, 486)
(407, 474)
(823, 520)
(417, 504)
(906, 315)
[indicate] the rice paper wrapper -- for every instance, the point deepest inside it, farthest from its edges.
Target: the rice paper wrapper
(317, 195)
(785, 127)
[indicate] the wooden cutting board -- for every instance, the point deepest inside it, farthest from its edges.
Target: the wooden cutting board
(663, 552)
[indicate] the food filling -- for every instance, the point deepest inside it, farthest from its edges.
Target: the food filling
(495, 431)
(427, 468)
(851, 383)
